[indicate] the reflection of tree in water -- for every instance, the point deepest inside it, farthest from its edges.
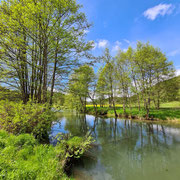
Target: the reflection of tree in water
(77, 125)
(126, 144)
(127, 148)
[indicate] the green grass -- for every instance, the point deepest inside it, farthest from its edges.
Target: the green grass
(162, 114)
(23, 157)
(173, 104)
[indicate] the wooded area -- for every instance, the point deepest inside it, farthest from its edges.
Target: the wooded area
(40, 42)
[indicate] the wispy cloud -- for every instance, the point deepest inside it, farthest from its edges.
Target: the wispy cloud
(159, 10)
(103, 43)
(127, 41)
(116, 47)
(174, 53)
(130, 43)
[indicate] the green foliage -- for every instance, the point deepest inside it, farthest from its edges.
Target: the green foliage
(170, 89)
(38, 41)
(20, 118)
(74, 147)
(80, 85)
(58, 99)
(22, 157)
(72, 102)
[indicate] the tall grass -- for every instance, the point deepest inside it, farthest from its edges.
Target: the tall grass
(23, 158)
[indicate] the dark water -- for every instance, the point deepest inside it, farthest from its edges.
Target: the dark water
(126, 150)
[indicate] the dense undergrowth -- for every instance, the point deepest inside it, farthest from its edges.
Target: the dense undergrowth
(23, 157)
(17, 118)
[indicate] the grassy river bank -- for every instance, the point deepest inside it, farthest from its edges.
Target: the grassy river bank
(163, 114)
(25, 149)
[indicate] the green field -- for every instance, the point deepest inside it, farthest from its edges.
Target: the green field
(168, 111)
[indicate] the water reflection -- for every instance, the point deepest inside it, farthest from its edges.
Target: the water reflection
(126, 149)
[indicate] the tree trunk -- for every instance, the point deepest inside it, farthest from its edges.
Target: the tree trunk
(54, 75)
(45, 74)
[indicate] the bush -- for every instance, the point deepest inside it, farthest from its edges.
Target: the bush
(22, 157)
(20, 118)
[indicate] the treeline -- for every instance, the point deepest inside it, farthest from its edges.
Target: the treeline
(40, 42)
(139, 77)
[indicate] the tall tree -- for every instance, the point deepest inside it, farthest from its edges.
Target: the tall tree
(108, 73)
(152, 68)
(40, 40)
(81, 83)
(123, 77)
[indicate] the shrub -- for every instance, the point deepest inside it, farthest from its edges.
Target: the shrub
(20, 118)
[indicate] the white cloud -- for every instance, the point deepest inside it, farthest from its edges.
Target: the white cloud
(116, 47)
(178, 72)
(161, 9)
(174, 53)
(127, 41)
(103, 43)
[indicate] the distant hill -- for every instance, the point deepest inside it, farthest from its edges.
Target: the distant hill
(169, 94)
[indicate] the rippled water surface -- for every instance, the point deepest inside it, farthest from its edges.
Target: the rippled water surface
(124, 149)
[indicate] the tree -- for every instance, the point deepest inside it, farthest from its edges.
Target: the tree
(81, 83)
(101, 87)
(152, 68)
(123, 77)
(39, 41)
(108, 74)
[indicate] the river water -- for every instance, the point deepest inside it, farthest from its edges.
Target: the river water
(124, 149)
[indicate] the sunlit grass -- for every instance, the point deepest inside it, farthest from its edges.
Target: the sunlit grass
(106, 105)
(164, 113)
(173, 104)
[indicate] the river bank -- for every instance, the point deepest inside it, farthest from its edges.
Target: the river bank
(124, 148)
(26, 150)
(164, 114)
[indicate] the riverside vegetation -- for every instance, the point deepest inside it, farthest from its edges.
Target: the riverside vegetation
(24, 149)
(141, 80)
(40, 43)
(46, 62)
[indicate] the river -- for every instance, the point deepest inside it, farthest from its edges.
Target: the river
(124, 149)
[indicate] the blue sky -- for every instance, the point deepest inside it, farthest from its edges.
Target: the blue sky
(118, 24)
